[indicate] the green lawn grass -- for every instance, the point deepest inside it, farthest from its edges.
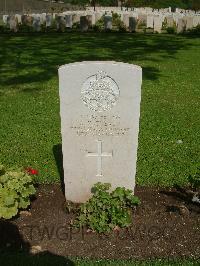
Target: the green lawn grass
(48, 259)
(170, 107)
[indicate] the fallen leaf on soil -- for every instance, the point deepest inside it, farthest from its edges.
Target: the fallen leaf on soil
(89, 231)
(184, 210)
(26, 213)
(35, 249)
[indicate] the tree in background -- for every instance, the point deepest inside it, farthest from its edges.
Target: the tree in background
(185, 4)
(195, 4)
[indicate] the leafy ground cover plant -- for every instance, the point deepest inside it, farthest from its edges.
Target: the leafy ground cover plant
(16, 187)
(105, 210)
(194, 31)
(118, 24)
(171, 30)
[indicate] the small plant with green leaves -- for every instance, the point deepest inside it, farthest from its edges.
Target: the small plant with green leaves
(99, 25)
(141, 25)
(194, 31)
(106, 210)
(171, 30)
(164, 24)
(118, 24)
(16, 187)
(76, 26)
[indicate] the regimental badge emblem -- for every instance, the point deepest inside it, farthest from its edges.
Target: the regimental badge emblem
(100, 92)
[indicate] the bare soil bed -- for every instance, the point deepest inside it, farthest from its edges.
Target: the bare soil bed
(165, 225)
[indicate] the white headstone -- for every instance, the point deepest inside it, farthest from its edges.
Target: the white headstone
(97, 16)
(150, 21)
(180, 25)
(196, 21)
(189, 22)
(43, 18)
(19, 18)
(157, 24)
(170, 21)
(5, 19)
(93, 19)
(142, 19)
(100, 109)
(126, 20)
(75, 18)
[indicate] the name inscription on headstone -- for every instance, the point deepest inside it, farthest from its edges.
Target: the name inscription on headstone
(99, 125)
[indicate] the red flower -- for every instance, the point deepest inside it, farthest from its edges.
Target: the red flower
(31, 171)
(34, 172)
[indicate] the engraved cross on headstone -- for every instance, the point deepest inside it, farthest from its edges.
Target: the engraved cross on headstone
(99, 156)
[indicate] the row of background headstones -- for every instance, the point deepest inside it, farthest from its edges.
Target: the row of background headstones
(153, 20)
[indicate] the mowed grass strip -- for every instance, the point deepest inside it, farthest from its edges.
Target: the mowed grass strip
(169, 139)
(46, 258)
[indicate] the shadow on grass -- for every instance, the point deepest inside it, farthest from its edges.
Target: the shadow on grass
(57, 151)
(26, 59)
(16, 251)
(183, 196)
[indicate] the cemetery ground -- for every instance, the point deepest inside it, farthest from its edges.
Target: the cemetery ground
(169, 144)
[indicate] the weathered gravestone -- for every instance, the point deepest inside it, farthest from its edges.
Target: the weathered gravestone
(75, 18)
(68, 19)
(97, 16)
(36, 23)
(49, 20)
(108, 22)
(28, 21)
(13, 23)
(23, 19)
(84, 25)
(132, 24)
(90, 20)
(142, 19)
(100, 109)
(60, 23)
